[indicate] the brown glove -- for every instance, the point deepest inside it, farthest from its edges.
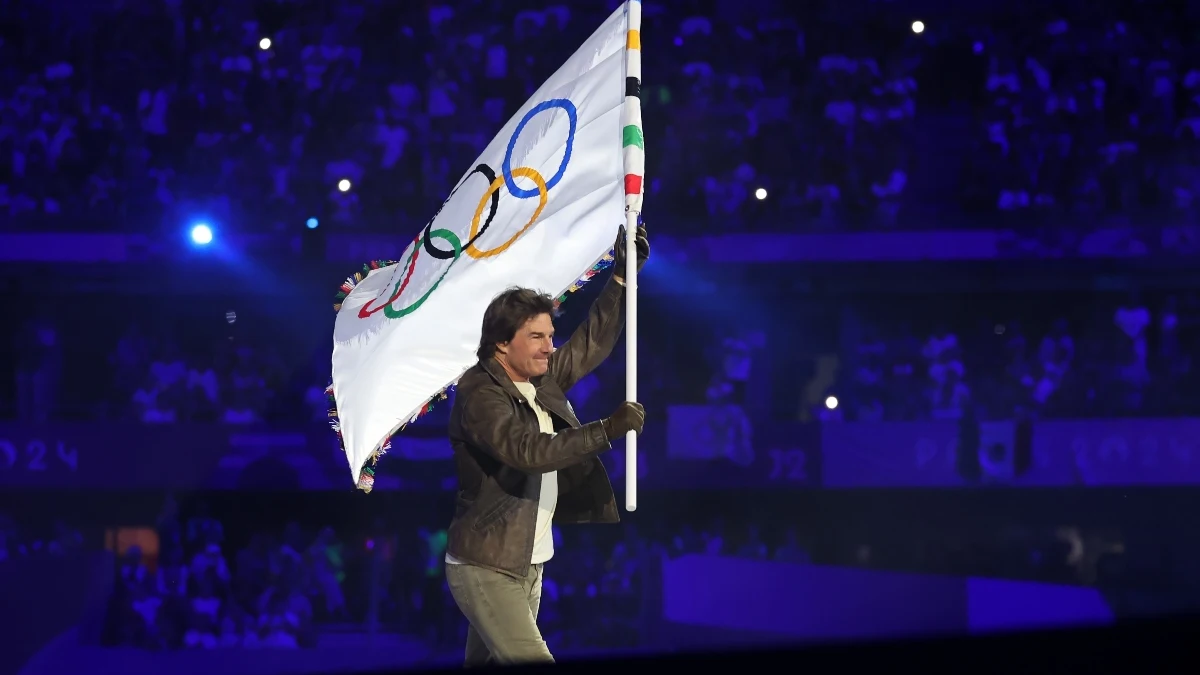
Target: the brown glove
(630, 416)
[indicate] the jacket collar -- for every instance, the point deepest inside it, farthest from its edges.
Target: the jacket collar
(496, 371)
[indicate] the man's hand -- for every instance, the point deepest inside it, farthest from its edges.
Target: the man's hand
(630, 416)
(643, 252)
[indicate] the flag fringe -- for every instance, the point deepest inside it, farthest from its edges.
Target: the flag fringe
(602, 264)
(366, 477)
(356, 279)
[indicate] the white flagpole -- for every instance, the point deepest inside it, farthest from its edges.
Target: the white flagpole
(635, 168)
(631, 325)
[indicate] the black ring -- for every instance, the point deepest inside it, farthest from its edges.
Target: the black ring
(440, 254)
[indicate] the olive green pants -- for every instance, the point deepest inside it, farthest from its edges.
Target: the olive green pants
(503, 613)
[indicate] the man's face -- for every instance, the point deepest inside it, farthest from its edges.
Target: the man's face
(528, 354)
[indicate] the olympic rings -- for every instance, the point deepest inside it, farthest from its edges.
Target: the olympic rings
(456, 244)
(506, 169)
(365, 310)
(487, 172)
(490, 199)
(521, 172)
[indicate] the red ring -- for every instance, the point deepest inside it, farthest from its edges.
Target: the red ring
(365, 312)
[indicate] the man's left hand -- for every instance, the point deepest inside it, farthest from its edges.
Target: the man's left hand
(643, 252)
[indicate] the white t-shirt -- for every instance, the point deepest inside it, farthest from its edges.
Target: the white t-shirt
(543, 537)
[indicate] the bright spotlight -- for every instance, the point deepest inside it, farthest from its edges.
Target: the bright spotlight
(760, 194)
(264, 44)
(831, 402)
(344, 185)
(202, 234)
(311, 223)
(918, 27)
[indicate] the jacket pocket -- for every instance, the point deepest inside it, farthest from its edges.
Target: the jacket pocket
(495, 513)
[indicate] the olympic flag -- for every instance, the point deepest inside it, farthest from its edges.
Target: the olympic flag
(540, 208)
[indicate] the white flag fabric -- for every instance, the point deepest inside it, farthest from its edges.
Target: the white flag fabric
(539, 208)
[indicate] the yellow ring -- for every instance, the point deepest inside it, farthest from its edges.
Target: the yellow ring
(520, 172)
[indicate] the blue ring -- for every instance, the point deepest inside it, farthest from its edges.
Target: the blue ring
(506, 167)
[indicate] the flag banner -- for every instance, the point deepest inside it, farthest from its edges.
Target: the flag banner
(540, 208)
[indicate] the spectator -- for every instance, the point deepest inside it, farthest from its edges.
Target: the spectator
(39, 371)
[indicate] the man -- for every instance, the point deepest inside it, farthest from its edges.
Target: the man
(524, 460)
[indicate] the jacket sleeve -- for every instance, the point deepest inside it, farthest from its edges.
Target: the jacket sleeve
(593, 341)
(491, 424)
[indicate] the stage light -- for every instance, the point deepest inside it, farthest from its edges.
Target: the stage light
(264, 44)
(344, 185)
(918, 27)
(311, 223)
(760, 194)
(202, 235)
(831, 402)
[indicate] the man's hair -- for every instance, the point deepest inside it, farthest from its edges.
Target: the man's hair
(507, 313)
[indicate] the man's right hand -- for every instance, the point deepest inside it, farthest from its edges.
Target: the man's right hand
(630, 416)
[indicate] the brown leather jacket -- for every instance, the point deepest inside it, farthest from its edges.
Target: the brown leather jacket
(501, 454)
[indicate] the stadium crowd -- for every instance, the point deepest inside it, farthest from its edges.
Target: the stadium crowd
(138, 117)
(215, 583)
(1063, 356)
(282, 589)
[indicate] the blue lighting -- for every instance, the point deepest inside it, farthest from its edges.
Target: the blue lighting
(311, 223)
(202, 234)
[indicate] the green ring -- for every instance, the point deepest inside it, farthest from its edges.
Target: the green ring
(456, 244)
